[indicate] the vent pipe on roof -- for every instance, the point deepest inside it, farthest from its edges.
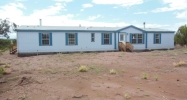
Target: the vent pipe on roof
(40, 22)
(144, 25)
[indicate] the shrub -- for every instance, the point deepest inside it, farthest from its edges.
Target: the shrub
(156, 77)
(5, 44)
(2, 70)
(127, 96)
(181, 63)
(145, 76)
(112, 71)
(83, 69)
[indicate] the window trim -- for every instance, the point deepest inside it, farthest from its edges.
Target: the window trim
(93, 37)
(102, 38)
(73, 38)
(45, 39)
(136, 34)
(156, 38)
(67, 39)
(41, 39)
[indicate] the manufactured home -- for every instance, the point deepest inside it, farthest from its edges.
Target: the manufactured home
(53, 39)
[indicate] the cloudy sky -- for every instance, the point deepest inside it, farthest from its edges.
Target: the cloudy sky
(167, 14)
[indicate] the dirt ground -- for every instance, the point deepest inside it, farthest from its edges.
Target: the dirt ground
(56, 77)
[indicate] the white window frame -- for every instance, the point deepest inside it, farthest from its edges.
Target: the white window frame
(45, 39)
(157, 38)
(105, 38)
(71, 40)
(92, 37)
(136, 38)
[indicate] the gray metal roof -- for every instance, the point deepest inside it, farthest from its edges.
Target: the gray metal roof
(83, 28)
(156, 30)
(68, 28)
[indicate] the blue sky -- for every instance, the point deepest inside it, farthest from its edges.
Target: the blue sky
(167, 14)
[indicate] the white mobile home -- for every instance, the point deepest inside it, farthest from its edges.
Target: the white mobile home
(49, 39)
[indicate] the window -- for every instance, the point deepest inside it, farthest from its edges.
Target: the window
(134, 38)
(45, 39)
(71, 39)
(92, 37)
(106, 38)
(157, 38)
(121, 37)
(137, 38)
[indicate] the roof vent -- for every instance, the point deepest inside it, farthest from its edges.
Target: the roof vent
(144, 25)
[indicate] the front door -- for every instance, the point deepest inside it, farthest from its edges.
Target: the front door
(122, 37)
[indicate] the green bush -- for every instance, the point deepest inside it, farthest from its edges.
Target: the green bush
(1, 70)
(5, 44)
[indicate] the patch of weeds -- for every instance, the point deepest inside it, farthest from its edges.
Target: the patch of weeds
(120, 56)
(81, 52)
(124, 53)
(99, 70)
(138, 88)
(92, 67)
(181, 63)
(156, 77)
(147, 95)
(59, 54)
(112, 71)
(127, 96)
(7, 65)
(99, 77)
(72, 61)
(123, 71)
(14, 78)
(50, 71)
(28, 64)
(145, 76)
(83, 69)
(1, 70)
(99, 95)
(24, 97)
(173, 57)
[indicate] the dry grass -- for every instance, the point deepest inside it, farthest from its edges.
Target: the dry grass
(83, 69)
(112, 71)
(145, 76)
(181, 63)
(2, 70)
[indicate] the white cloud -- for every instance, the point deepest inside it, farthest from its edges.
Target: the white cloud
(63, 0)
(87, 5)
(140, 12)
(172, 5)
(51, 17)
(82, 10)
(182, 15)
(52, 10)
(94, 17)
(125, 3)
(115, 7)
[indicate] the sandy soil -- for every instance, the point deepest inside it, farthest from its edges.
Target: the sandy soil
(55, 77)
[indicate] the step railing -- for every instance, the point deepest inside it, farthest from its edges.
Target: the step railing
(130, 46)
(13, 49)
(122, 46)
